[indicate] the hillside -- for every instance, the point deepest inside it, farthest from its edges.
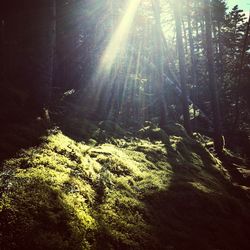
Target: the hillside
(148, 190)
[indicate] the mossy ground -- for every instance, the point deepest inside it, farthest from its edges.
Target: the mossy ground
(156, 192)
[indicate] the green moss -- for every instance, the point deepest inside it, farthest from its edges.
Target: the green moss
(154, 133)
(127, 193)
(175, 129)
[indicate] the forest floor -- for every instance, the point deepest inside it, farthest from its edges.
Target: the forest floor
(154, 189)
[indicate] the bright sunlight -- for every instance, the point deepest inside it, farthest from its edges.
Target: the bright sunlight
(119, 38)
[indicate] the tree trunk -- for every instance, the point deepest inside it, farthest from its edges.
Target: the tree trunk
(2, 51)
(160, 45)
(185, 36)
(221, 69)
(193, 58)
(183, 79)
(218, 138)
(52, 82)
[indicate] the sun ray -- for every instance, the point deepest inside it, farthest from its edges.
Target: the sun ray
(119, 38)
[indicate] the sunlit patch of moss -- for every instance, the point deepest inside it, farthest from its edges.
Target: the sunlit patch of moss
(122, 217)
(74, 178)
(42, 185)
(128, 193)
(41, 173)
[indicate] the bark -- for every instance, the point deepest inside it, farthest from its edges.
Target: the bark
(181, 54)
(185, 36)
(193, 57)
(218, 138)
(2, 51)
(53, 61)
(221, 69)
(160, 45)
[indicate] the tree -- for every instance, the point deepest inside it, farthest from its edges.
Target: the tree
(2, 50)
(53, 62)
(218, 18)
(192, 52)
(160, 80)
(218, 139)
(237, 111)
(233, 30)
(181, 54)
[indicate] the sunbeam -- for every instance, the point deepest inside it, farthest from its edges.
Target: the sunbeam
(119, 38)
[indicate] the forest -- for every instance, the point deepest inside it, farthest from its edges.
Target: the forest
(125, 124)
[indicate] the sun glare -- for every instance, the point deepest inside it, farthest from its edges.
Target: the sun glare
(118, 39)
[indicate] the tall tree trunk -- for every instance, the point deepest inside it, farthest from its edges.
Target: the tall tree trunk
(221, 69)
(218, 138)
(53, 61)
(193, 57)
(198, 47)
(160, 45)
(203, 35)
(183, 79)
(185, 36)
(2, 51)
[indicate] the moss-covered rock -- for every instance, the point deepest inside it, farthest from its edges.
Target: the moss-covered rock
(175, 129)
(127, 193)
(154, 133)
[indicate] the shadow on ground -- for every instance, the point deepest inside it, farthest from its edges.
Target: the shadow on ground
(189, 217)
